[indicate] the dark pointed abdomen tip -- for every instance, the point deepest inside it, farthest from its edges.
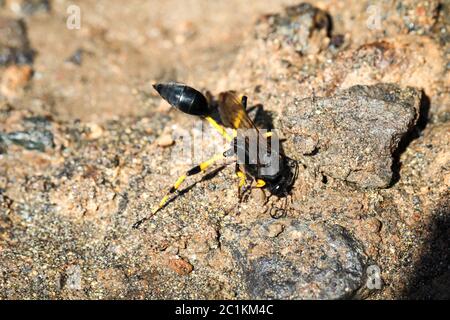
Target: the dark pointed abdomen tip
(157, 86)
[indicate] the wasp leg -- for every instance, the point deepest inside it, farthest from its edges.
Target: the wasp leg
(246, 191)
(194, 170)
(242, 179)
(277, 212)
(245, 184)
(260, 183)
(219, 128)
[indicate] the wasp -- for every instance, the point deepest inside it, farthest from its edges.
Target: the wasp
(232, 110)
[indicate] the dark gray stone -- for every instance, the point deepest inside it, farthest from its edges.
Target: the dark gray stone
(305, 261)
(14, 43)
(295, 26)
(30, 7)
(32, 139)
(352, 135)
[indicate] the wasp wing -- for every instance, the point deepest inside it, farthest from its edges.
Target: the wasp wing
(232, 111)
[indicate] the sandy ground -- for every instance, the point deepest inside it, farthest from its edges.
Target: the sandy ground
(86, 149)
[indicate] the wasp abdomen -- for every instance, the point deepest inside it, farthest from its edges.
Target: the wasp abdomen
(184, 98)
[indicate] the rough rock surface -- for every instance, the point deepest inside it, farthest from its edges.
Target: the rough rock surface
(87, 148)
(292, 260)
(353, 134)
(28, 7)
(302, 27)
(14, 43)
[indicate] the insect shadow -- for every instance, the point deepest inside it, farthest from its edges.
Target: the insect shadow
(412, 135)
(206, 177)
(430, 277)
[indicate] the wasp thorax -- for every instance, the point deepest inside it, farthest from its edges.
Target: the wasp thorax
(184, 98)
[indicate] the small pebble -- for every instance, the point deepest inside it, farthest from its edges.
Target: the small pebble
(95, 131)
(180, 266)
(76, 58)
(274, 229)
(259, 196)
(14, 80)
(373, 225)
(165, 140)
(173, 250)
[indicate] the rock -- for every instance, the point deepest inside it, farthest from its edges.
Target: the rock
(29, 7)
(3, 146)
(32, 139)
(5, 220)
(305, 261)
(302, 27)
(95, 131)
(14, 80)
(274, 229)
(14, 44)
(77, 57)
(408, 61)
(258, 195)
(352, 135)
(369, 21)
(373, 225)
(418, 16)
(180, 266)
(165, 140)
(273, 72)
(35, 134)
(72, 279)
